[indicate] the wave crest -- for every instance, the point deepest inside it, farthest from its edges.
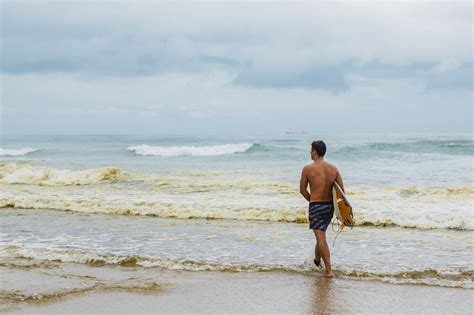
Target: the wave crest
(211, 150)
(43, 176)
(199, 210)
(227, 196)
(17, 152)
(451, 147)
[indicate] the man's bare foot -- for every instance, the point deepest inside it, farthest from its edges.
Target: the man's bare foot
(328, 274)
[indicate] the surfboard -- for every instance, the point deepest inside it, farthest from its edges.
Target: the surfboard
(342, 206)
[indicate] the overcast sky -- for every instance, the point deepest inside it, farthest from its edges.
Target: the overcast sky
(235, 68)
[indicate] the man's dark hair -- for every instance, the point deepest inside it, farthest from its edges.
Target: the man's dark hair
(319, 146)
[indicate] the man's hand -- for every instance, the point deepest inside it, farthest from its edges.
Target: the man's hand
(304, 185)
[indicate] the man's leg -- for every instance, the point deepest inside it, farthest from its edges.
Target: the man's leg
(324, 251)
(317, 252)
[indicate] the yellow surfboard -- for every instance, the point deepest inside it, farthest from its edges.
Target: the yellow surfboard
(342, 207)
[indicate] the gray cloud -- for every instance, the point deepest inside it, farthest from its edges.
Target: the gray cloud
(204, 65)
(330, 78)
(279, 45)
(450, 76)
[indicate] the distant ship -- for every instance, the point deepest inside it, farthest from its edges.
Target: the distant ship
(291, 132)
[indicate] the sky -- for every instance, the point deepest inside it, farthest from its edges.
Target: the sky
(149, 67)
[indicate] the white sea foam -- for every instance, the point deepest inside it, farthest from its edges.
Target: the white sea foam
(211, 150)
(12, 173)
(444, 213)
(455, 278)
(236, 197)
(16, 152)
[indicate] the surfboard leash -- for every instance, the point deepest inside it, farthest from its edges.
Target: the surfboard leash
(341, 226)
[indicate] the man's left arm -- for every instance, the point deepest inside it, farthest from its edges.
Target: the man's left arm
(304, 185)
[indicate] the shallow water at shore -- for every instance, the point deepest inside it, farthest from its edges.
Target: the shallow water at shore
(396, 255)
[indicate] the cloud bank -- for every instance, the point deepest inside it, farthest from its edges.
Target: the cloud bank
(151, 67)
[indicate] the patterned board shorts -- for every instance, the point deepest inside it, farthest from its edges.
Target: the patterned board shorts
(320, 215)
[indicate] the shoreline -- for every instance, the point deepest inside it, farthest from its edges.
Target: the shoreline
(97, 240)
(247, 292)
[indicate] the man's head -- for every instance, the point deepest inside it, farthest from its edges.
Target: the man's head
(318, 149)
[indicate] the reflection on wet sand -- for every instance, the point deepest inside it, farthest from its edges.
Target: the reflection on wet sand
(321, 295)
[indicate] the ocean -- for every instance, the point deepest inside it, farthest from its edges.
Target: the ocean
(232, 204)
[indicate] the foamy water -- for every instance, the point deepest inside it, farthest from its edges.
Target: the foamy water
(212, 150)
(219, 195)
(233, 204)
(236, 246)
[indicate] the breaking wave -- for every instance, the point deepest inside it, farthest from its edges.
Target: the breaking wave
(449, 147)
(12, 173)
(211, 150)
(218, 196)
(363, 217)
(160, 209)
(17, 152)
(461, 277)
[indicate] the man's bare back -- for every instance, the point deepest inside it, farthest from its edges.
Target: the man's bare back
(321, 176)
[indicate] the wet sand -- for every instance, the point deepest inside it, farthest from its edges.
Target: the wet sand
(263, 292)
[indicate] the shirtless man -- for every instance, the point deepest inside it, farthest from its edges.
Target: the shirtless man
(321, 176)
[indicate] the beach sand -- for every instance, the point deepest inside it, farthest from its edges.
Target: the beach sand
(234, 292)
